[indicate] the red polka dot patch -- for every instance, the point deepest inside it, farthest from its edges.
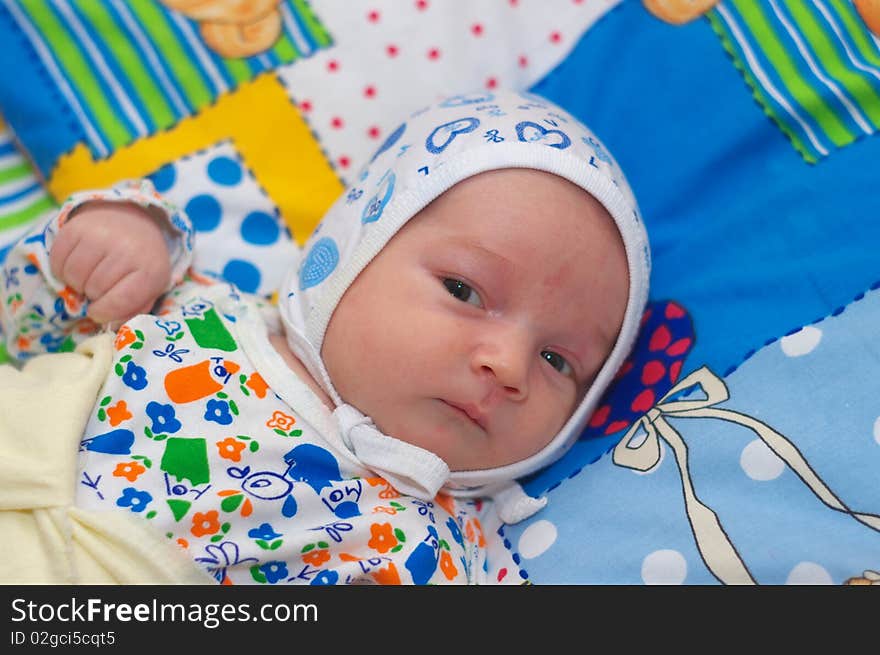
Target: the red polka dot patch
(666, 337)
(392, 57)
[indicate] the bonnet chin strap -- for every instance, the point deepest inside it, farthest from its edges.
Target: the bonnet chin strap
(417, 472)
(513, 504)
(411, 470)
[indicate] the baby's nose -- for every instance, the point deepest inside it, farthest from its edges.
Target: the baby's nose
(506, 359)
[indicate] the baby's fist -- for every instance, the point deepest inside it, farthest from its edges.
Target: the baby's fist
(114, 253)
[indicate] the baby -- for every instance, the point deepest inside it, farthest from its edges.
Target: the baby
(450, 327)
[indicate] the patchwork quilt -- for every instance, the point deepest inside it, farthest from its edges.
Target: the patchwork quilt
(740, 441)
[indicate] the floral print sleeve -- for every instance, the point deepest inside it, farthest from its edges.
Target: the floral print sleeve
(41, 314)
(188, 435)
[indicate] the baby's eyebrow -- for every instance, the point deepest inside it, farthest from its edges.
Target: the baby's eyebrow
(497, 260)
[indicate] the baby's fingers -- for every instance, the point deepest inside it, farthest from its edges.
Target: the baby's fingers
(134, 293)
(73, 266)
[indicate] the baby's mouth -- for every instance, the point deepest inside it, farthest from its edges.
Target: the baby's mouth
(468, 411)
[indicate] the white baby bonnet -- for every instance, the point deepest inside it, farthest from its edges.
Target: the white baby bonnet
(435, 148)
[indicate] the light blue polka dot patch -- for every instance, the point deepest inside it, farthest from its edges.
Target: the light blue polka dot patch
(260, 229)
(225, 171)
(242, 274)
(319, 263)
(205, 212)
(239, 233)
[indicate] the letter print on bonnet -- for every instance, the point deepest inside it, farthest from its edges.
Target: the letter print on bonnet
(435, 148)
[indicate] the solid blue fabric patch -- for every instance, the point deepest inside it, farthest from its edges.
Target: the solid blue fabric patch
(749, 238)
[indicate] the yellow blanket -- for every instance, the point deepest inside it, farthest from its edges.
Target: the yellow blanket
(46, 539)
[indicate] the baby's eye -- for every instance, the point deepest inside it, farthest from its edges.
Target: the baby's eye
(557, 361)
(462, 291)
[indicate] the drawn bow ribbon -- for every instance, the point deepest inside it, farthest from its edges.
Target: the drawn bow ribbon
(712, 542)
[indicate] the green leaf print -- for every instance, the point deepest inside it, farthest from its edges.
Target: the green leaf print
(137, 345)
(401, 537)
(106, 400)
(145, 460)
(216, 538)
(397, 548)
(275, 544)
(231, 503)
(257, 575)
(102, 415)
(119, 370)
(151, 514)
(253, 446)
(307, 548)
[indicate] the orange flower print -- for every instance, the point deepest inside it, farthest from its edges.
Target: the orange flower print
(257, 384)
(87, 326)
(128, 470)
(447, 566)
(118, 413)
(387, 492)
(72, 299)
(481, 540)
(124, 337)
(281, 421)
(204, 523)
(446, 502)
(316, 557)
(387, 575)
(382, 537)
(230, 448)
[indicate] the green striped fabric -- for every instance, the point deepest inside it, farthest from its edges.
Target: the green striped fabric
(812, 66)
(131, 69)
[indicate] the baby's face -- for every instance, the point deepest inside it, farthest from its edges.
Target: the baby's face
(479, 327)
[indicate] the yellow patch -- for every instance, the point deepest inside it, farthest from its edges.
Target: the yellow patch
(266, 129)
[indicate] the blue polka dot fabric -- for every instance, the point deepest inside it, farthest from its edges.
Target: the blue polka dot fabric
(240, 235)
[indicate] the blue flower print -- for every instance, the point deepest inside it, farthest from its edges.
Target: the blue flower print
(265, 531)
(134, 376)
(136, 500)
(218, 411)
(170, 327)
(326, 578)
(453, 528)
(163, 417)
(274, 571)
(51, 342)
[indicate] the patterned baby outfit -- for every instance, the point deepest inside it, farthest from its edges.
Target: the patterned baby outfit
(202, 430)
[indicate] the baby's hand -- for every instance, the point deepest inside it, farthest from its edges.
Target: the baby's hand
(115, 254)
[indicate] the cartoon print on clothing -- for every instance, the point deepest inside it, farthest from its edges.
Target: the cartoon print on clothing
(187, 435)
